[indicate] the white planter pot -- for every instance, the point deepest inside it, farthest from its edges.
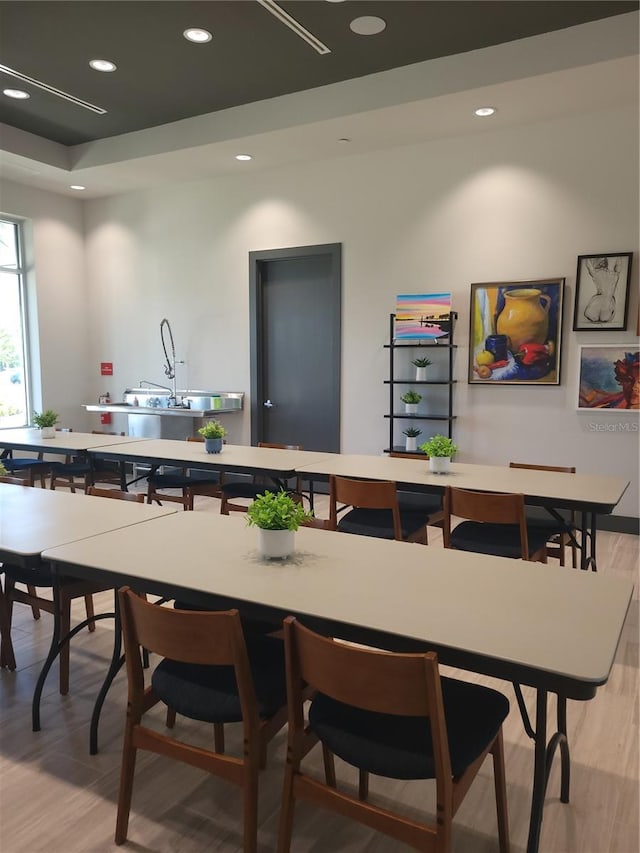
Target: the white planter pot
(411, 408)
(48, 432)
(421, 374)
(411, 444)
(274, 544)
(439, 464)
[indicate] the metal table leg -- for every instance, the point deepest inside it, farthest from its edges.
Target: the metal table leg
(117, 659)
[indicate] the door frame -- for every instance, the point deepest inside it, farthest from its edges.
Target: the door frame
(334, 360)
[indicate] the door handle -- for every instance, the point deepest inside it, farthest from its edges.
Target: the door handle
(268, 404)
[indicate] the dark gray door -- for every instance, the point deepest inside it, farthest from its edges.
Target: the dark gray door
(295, 346)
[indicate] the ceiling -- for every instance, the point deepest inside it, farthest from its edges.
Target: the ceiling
(258, 83)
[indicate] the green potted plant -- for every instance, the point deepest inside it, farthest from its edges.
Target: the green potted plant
(439, 449)
(46, 421)
(412, 434)
(277, 516)
(421, 365)
(3, 470)
(411, 400)
(213, 432)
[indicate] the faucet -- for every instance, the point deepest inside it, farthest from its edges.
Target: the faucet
(154, 385)
(170, 366)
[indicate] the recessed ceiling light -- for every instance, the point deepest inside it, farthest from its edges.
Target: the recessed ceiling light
(16, 93)
(197, 35)
(485, 111)
(77, 187)
(102, 65)
(243, 157)
(368, 25)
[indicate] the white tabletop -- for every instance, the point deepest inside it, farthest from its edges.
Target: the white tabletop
(31, 439)
(575, 489)
(233, 456)
(527, 616)
(33, 519)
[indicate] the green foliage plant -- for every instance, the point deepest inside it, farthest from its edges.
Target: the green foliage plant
(439, 445)
(412, 432)
(3, 470)
(411, 397)
(276, 511)
(212, 429)
(421, 362)
(48, 418)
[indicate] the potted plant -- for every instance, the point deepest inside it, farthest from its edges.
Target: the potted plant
(277, 516)
(421, 365)
(439, 449)
(412, 434)
(3, 470)
(411, 400)
(213, 432)
(46, 422)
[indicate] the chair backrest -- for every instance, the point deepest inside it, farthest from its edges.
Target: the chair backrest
(398, 455)
(363, 494)
(106, 432)
(485, 507)
(187, 636)
(199, 438)
(559, 469)
(280, 446)
(382, 682)
(116, 494)
(15, 481)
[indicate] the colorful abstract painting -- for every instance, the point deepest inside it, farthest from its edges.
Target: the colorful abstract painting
(422, 316)
(609, 378)
(515, 333)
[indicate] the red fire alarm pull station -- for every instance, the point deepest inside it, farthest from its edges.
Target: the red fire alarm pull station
(106, 368)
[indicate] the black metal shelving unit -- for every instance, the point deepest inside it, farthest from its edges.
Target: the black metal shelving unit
(445, 346)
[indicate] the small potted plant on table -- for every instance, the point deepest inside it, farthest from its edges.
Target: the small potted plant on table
(411, 400)
(277, 516)
(412, 434)
(46, 422)
(213, 432)
(439, 449)
(421, 365)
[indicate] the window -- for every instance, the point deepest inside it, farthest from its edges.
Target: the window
(14, 392)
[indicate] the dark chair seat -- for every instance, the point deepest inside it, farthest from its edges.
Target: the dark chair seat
(22, 464)
(247, 490)
(400, 747)
(379, 522)
(210, 694)
(179, 481)
(250, 625)
(77, 468)
(502, 540)
(40, 576)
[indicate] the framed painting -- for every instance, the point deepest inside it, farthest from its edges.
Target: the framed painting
(602, 292)
(608, 378)
(515, 334)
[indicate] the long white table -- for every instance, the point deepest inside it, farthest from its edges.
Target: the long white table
(535, 624)
(64, 442)
(588, 494)
(33, 520)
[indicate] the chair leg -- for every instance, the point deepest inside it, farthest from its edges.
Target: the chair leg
(218, 738)
(34, 607)
(224, 509)
(363, 785)
(7, 657)
(329, 767)
(286, 810)
(88, 606)
(250, 806)
(500, 783)
(126, 784)
(171, 717)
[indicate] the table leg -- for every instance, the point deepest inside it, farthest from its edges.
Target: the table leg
(7, 657)
(589, 525)
(117, 659)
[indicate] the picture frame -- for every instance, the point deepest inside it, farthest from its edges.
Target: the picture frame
(515, 332)
(608, 378)
(602, 292)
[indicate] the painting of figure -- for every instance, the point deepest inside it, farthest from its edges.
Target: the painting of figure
(609, 378)
(602, 292)
(515, 333)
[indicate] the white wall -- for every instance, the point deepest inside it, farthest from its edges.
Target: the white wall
(519, 204)
(56, 296)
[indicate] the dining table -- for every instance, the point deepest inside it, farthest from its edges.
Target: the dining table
(535, 624)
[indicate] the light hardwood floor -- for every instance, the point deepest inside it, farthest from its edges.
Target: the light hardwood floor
(54, 796)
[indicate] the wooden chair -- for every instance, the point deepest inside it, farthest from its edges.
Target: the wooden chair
(190, 482)
(495, 524)
(33, 467)
(375, 512)
(208, 673)
(80, 473)
(394, 716)
(259, 484)
(560, 535)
